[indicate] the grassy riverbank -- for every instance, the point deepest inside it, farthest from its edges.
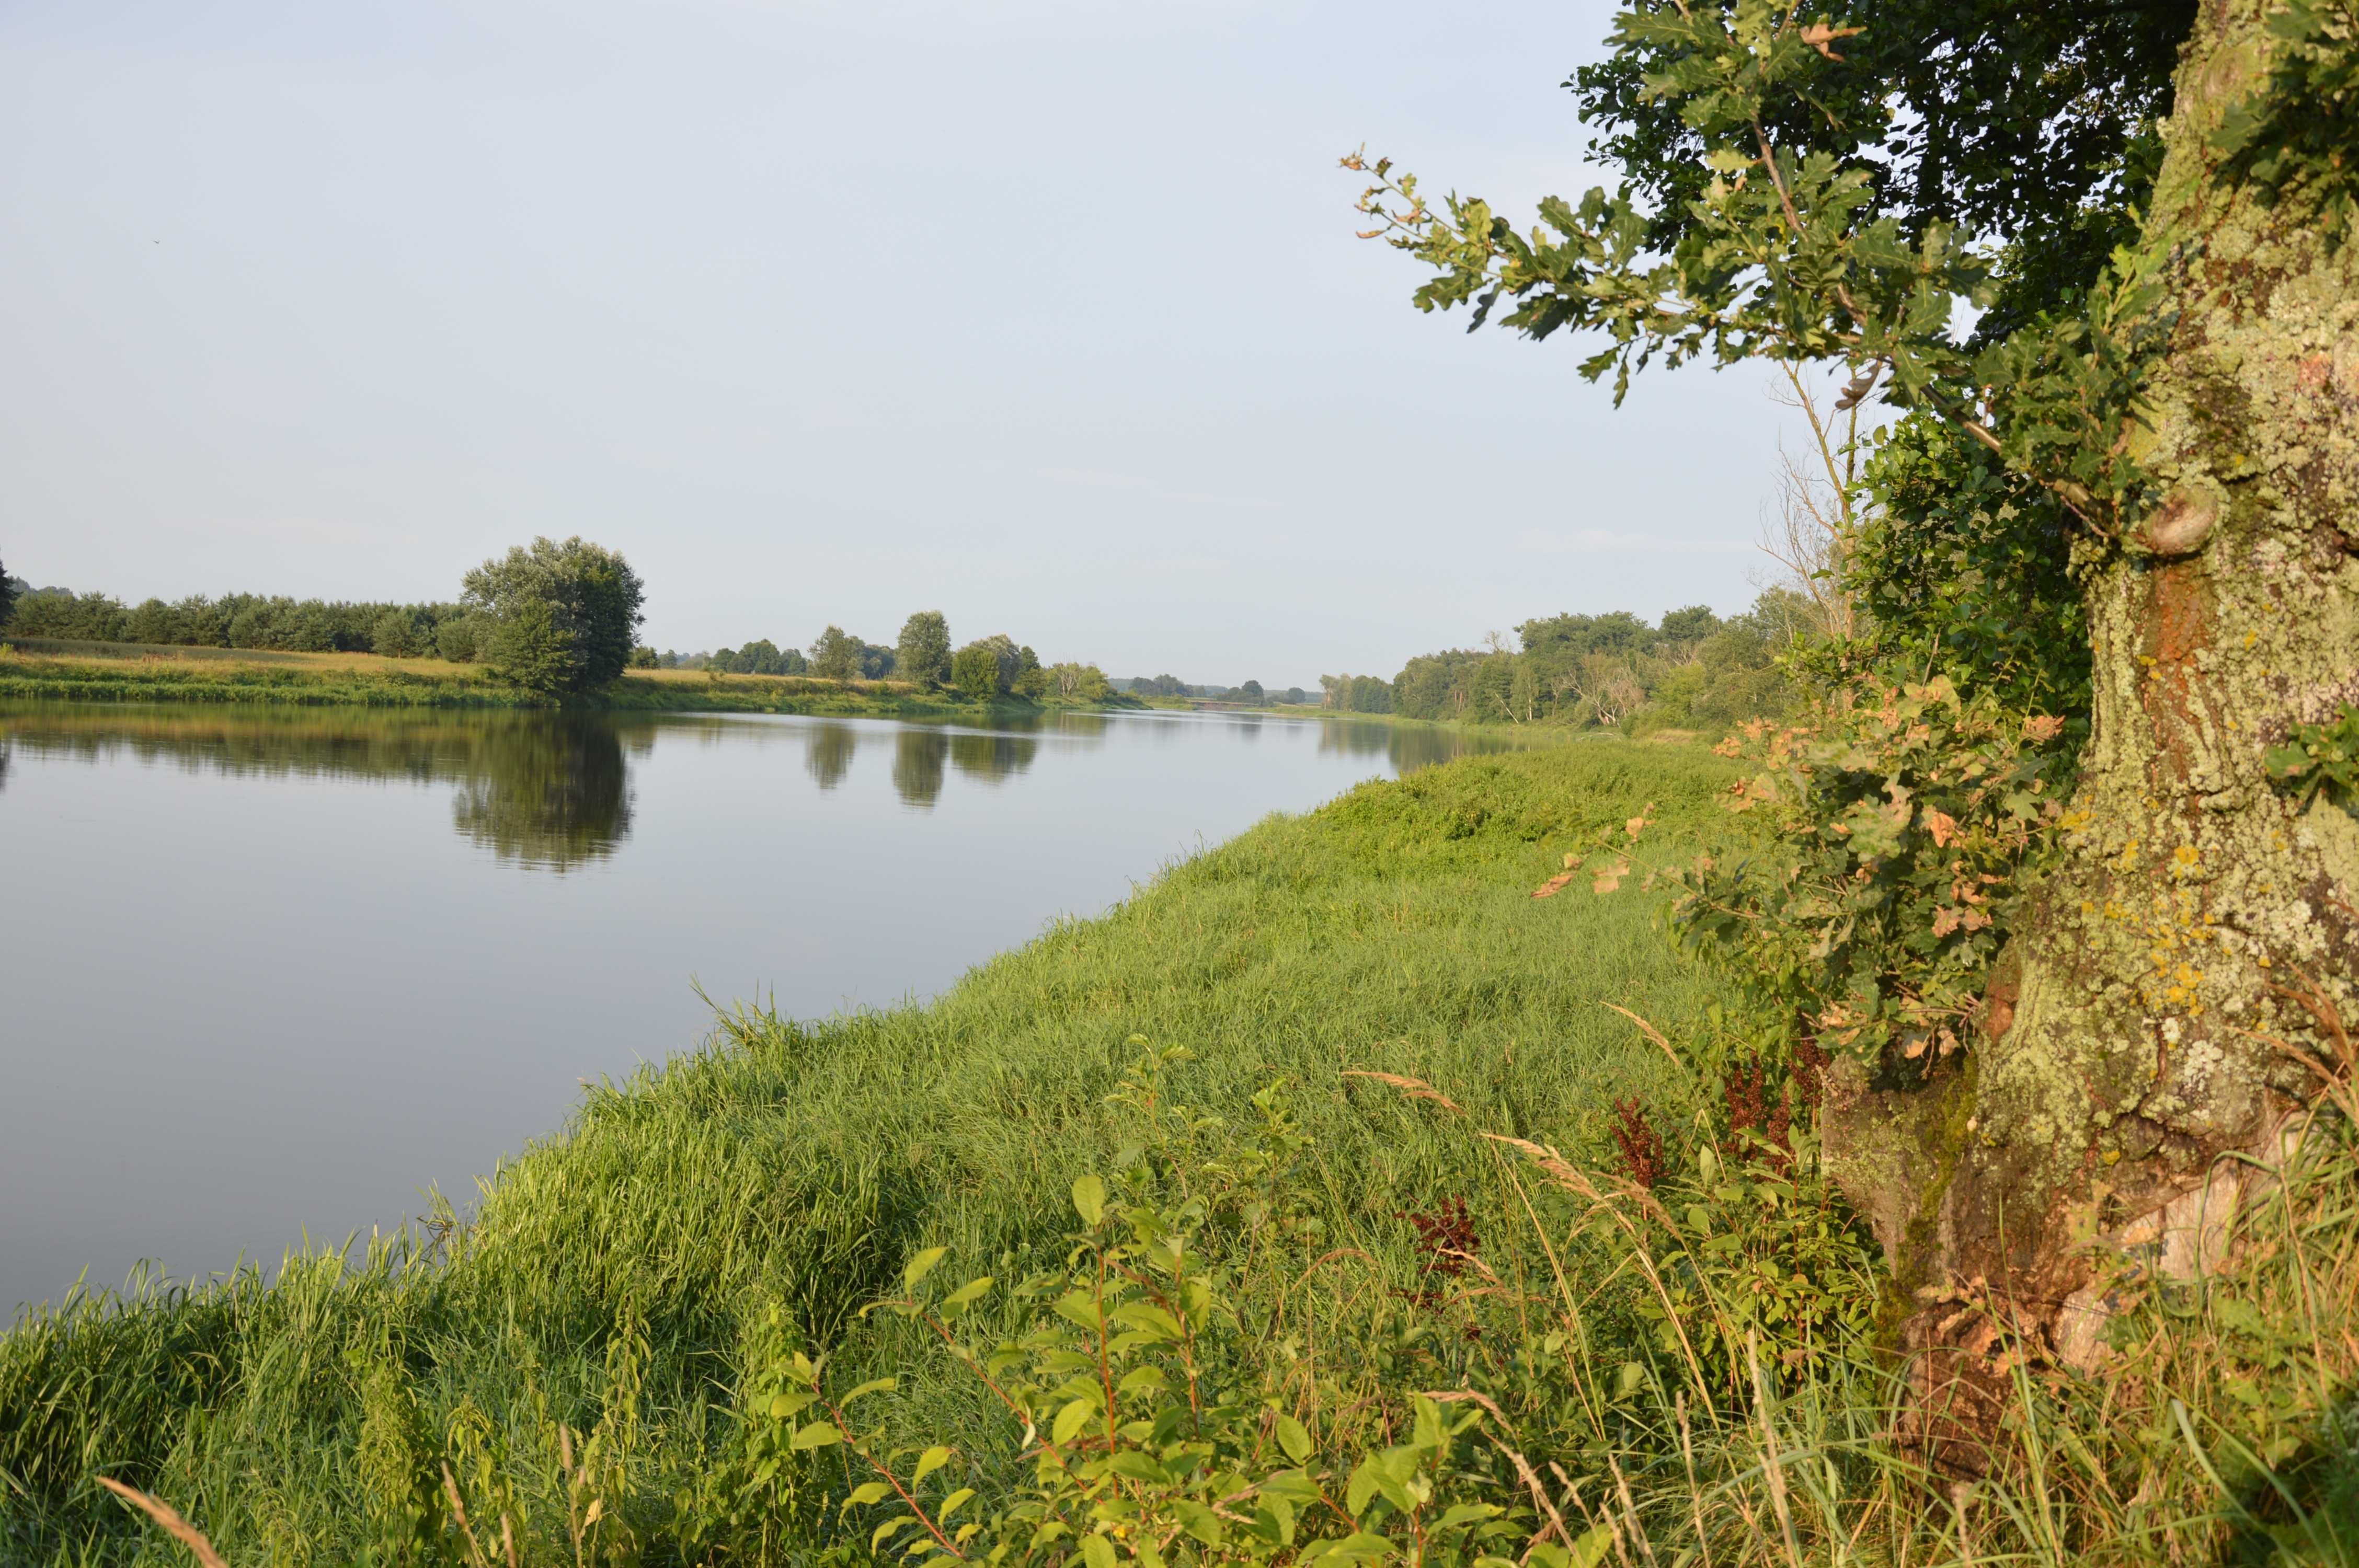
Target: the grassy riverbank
(798, 1166)
(45, 670)
(1414, 1151)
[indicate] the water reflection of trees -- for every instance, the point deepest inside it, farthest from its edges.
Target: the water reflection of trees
(552, 791)
(923, 757)
(554, 796)
(545, 790)
(1408, 747)
(920, 757)
(993, 759)
(828, 749)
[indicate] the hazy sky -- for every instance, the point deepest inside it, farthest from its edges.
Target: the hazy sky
(1047, 313)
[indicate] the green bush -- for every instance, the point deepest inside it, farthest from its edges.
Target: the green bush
(977, 672)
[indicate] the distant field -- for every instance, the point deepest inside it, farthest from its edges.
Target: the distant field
(157, 652)
(54, 669)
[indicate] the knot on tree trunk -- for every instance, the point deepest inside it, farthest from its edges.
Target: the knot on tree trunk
(2183, 523)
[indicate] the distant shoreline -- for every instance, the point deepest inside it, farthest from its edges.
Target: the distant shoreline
(47, 669)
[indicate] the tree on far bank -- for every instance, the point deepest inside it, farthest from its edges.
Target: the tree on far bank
(7, 593)
(758, 657)
(394, 635)
(529, 647)
(1251, 691)
(925, 649)
(1028, 679)
(977, 672)
(1692, 625)
(562, 617)
(1079, 682)
(835, 655)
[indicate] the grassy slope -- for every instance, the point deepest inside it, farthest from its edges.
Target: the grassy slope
(104, 672)
(1392, 930)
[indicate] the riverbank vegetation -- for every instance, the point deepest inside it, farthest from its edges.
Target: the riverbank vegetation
(1379, 1177)
(548, 625)
(56, 671)
(2044, 907)
(549, 618)
(1986, 1191)
(701, 1225)
(549, 621)
(1694, 670)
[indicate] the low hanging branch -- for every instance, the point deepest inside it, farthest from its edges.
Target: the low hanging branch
(1785, 257)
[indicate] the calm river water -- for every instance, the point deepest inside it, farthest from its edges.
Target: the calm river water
(272, 974)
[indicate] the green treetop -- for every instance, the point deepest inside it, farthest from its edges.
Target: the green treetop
(924, 651)
(564, 616)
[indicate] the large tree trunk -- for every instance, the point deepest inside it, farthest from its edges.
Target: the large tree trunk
(2196, 924)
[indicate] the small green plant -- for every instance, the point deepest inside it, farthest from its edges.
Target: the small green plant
(2320, 758)
(1144, 1444)
(1900, 827)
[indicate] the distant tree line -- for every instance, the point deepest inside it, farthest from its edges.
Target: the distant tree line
(923, 656)
(553, 617)
(1251, 691)
(1692, 670)
(245, 620)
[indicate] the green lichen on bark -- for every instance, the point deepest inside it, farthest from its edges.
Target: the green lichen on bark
(2197, 921)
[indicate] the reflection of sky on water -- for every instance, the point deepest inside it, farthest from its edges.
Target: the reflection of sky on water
(272, 971)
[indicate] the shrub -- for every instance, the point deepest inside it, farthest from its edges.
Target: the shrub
(977, 673)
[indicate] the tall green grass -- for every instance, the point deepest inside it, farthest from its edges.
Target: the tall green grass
(796, 1166)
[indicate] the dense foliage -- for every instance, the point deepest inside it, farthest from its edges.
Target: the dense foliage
(923, 651)
(759, 657)
(564, 617)
(996, 666)
(242, 621)
(1693, 671)
(1896, 834)
(837, 655)
(552, 617)
(1812, 192)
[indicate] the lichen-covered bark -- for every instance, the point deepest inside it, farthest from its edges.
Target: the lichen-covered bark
(2197, 924)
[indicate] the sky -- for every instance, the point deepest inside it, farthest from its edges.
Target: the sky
(1045, 313)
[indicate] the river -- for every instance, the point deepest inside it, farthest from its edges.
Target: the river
(269, 977)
